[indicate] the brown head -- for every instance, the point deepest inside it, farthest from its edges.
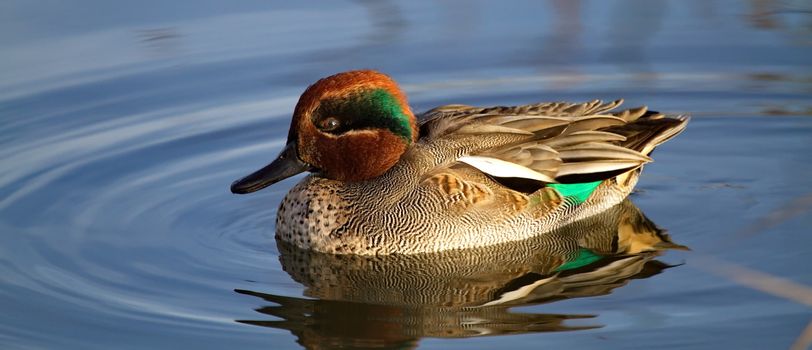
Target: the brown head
(351, 126)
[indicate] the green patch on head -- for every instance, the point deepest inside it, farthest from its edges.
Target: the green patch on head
(578, 192)
(389, 106)
(368, 109)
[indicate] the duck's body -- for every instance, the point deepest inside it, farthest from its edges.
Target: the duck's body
(462, 177)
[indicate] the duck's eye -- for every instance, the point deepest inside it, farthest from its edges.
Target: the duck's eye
(329, 124)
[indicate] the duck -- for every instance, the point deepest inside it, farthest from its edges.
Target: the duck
(384, 181)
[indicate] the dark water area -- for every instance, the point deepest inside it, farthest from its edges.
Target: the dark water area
(122, 126)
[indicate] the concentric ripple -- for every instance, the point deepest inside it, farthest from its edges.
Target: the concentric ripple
(107, 216)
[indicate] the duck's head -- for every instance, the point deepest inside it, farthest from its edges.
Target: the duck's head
(351, 126)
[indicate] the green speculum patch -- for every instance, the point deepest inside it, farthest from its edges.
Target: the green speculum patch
(582, 258)
(367, 109)
(579, 192)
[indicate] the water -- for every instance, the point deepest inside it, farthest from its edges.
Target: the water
(123, 126)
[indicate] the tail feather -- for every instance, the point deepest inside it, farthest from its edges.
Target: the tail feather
(649, 131)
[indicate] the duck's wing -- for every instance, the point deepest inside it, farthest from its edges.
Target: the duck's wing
(555, 142)
(449, 118)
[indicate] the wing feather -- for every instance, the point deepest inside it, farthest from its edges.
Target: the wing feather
(500, 168)
(551, 142)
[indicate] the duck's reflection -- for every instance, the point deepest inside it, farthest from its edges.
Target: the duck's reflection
(393, 301)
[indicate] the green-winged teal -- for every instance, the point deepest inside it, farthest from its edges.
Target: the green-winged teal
(386, 182)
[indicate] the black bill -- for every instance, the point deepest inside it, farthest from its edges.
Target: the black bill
(284, 166)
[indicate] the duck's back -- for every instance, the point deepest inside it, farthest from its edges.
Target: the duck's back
(481, 176)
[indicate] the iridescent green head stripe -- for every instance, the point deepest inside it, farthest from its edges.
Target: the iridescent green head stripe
(366, 109)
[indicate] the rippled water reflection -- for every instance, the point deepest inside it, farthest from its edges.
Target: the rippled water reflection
(123, 125)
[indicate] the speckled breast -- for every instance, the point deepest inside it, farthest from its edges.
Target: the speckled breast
(314, 216)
